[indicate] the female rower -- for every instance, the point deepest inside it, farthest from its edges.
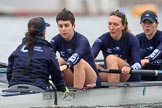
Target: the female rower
(76, 58)
(120, 49)
(34, 61)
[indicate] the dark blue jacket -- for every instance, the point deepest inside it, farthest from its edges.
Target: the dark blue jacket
(43, 64)
(151, 49)
(74, 50)
(126, 48)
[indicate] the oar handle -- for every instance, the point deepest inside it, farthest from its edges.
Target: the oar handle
(117, 71)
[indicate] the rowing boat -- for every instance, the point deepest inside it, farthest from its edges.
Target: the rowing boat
(126, 94)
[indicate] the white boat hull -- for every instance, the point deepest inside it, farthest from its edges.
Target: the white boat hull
(113, 97)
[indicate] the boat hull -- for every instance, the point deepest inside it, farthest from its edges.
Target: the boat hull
(102, 97)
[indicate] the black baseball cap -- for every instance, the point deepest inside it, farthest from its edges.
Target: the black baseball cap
(149, 15)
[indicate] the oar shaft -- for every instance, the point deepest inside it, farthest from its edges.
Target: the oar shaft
(3, 67)
(99, 60)
(111, 71)
(142, 72)
(147, 72)
(3, 70)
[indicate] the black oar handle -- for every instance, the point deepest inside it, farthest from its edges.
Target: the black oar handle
(111, 71)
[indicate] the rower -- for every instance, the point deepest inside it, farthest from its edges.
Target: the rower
(76, 58)
(34, 61)
(120, 49)
(150, 41)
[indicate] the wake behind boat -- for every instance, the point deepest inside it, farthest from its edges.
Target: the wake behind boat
(134, 94)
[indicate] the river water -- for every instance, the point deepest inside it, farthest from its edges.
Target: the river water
(12, 30)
